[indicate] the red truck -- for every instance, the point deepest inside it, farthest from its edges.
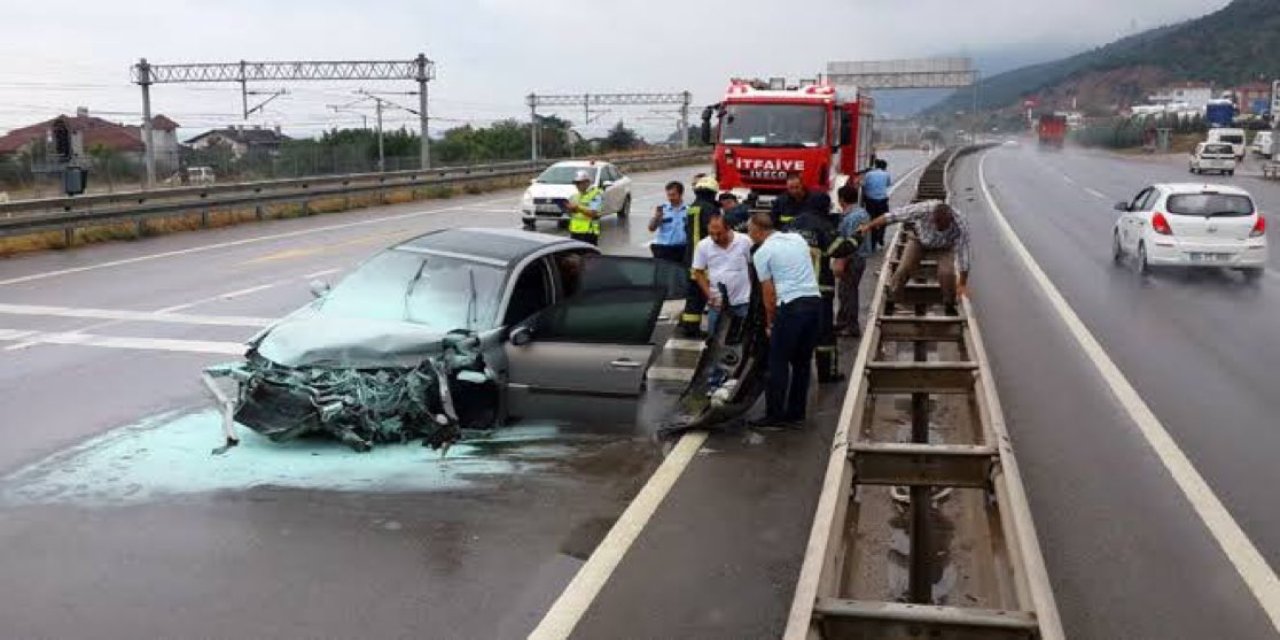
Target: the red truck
(1052, 130)
(764, 134)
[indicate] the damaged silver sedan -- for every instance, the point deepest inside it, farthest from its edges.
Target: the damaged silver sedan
(456, 329)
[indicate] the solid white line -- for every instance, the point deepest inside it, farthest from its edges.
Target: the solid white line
(320, 274)
(122, 342)
(231, 295)
(1068, 179)
(572, 604)
(131, 316)
(224, 245)
(1095, 193)
(1258, 576)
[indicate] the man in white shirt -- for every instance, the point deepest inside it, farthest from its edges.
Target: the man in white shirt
(721, 258)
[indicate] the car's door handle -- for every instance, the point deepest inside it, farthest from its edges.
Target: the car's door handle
(625, 363)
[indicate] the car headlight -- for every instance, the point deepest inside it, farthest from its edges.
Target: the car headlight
(526, 200)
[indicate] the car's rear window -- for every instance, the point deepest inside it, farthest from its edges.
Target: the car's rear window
(1218, 148)
(1233, 139)
(1210, 204)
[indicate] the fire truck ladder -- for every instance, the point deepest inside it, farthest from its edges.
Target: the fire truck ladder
(922, 528)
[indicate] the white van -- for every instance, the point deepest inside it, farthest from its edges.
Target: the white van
(1213, 156)
(1261, 144)
(1233, 137)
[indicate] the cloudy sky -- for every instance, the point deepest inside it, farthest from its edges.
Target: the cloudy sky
(491, 53)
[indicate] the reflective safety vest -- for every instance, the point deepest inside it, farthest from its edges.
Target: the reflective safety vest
(579, 222)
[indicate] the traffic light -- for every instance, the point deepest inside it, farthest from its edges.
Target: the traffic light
(61, 140)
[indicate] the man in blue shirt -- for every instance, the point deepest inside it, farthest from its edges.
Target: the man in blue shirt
(875, 188)
(849, 270)
(668, 224)
(792, 308)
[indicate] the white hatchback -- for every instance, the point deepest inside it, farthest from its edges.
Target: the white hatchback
(1192, 225)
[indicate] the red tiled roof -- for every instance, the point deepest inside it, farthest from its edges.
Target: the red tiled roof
(95, 132)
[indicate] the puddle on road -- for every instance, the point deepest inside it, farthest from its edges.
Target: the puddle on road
(169, 455)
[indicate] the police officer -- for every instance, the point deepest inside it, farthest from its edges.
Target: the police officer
(788, 206)
(700, 212)
(818, 230)
(584, 209)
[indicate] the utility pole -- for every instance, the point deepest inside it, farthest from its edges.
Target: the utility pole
(425, 71)
(533, 127)
(382, 159)
(684, 120)
(144, 80)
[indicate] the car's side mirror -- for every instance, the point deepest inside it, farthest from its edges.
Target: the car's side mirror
(606, 184)
(319, 288)
(521, 336)
(1122, 206)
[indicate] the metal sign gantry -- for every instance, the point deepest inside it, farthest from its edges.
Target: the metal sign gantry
(144, 74)
(589, 100)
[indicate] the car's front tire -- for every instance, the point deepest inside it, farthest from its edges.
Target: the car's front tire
(529, 224)
(1251, 275)
(626, 208)
(1231, 172)
(1192, 169)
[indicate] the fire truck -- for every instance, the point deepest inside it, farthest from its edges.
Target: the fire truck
(766, 132)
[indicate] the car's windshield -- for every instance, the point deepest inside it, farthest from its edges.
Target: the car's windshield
(564, 174)
(1217, 148)
(1210, 204)
(774, 125)
(1231, 138)
(426, 289)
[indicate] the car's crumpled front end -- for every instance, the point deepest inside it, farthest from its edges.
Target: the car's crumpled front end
(353, 399)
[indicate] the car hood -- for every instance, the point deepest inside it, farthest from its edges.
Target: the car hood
(308, 338)
(551, 191)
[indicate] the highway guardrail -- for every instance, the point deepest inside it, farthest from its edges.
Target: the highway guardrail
(922, 528)
(70, 213)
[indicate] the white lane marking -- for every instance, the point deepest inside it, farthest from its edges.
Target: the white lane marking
(131, 316)
(670, 374)
(1068, 179)
(685, 344)
(1095, 193)
(572, 604)
(122, 342)
(232, 295)
(223, 245)
(1258, 576)
(320, 274)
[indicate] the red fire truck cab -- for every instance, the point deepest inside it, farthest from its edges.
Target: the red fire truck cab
(821, 132)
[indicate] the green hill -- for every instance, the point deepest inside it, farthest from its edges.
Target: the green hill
(1237, 44)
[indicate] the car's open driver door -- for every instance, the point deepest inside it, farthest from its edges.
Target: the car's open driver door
(585, 358)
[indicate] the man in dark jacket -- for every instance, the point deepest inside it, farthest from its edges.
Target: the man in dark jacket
(818, 230)
(797, 200)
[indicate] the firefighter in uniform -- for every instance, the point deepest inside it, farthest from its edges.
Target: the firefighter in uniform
(818, 229)
(789, 205)
(584, 209)
(704, 207)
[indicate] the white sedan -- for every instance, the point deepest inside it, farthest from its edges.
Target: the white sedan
(1192, 225)
(541, 201)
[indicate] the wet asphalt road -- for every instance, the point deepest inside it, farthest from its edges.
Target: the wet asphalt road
(1128, 556)
(136, 534)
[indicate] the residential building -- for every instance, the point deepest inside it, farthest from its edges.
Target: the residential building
(242, 140)
(1195, 95)
(92, 136)
(1254, 97)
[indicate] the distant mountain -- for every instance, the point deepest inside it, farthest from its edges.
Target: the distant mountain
(1236, 44)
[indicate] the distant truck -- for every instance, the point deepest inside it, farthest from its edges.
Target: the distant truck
(1220, 113)
(1233, 137)
(1052, 130)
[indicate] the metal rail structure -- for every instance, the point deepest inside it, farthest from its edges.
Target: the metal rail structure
(922, 529)
(71, 213)
(144, 74)
(589, 100)
(921, 73)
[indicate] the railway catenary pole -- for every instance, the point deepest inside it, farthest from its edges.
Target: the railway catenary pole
(149, 149)
(425, 71)
(589, 100)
